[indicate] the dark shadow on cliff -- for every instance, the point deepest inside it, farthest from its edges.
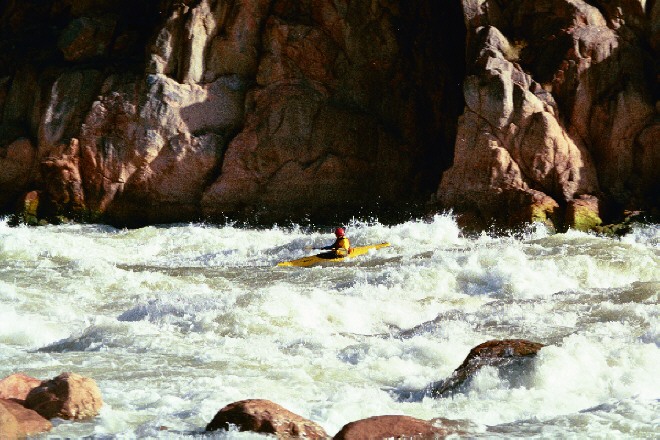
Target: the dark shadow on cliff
(432, 37)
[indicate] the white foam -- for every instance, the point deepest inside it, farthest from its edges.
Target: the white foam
(176, 322)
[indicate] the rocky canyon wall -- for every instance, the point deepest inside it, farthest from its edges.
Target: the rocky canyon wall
(271, 110)
(561, 116)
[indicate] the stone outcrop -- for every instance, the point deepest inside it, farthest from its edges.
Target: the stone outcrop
(503, 354)
(27, 403)
(163, 111)
(17, 386)
(558, 113)
(264, 416)
(8, 424)
(67, 396)
(266, 108)
(17, 421)
(394, 426)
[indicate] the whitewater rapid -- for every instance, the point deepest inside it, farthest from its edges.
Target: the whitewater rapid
(174, 322)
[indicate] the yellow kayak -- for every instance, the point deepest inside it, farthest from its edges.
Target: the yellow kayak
(329, 256)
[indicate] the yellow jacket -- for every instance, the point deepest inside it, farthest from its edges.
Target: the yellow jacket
(341, 246)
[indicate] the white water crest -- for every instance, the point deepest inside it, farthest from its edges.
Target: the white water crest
(174, 322)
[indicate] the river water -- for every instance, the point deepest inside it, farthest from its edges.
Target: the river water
(174, 322)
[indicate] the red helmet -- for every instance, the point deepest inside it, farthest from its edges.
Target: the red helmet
(339, 232)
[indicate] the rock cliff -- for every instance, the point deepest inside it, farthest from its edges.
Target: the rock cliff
(163, 111)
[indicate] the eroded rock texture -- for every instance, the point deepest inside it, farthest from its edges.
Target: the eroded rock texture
(560, 110)
(266, 417)
(161, 111)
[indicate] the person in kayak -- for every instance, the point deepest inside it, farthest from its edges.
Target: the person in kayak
(342, 246)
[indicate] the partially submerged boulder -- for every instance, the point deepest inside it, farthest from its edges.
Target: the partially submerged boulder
(264, 416)
(395, 426)
(68, 396)
(497, 353)
(16, 421)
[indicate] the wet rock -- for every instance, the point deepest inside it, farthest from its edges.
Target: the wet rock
(497, 353)
(395, 426)
(25, 421)
(265, 417)
(583, 213)
(28, 210)
(17, 386)
(68, 396)
(630, 219)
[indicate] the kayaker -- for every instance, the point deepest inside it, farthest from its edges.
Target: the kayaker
(341, 247)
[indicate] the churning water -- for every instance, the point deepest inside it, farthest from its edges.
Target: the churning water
(175, 322)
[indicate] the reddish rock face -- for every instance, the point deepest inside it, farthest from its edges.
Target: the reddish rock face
(68, 396)
(25, 421)
(497, 353)
(16, 163)
(8, 423)
(293, 109)
(17, 386)
(550, 108)
(281, 109)
(266, 417)
(391, 426)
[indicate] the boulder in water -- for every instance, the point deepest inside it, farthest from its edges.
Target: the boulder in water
(68, 396)
(395, 426)
(264, 416)
(503, 354)
(17, 386)
(16, 421)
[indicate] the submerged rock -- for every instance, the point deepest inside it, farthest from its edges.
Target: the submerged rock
(497, 353)
(264, 416)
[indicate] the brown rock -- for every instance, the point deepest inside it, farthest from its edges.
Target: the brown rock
(511, 151)
(497, 353)
(8, 423)
(63, 182)
(16, 162)
(68, 396)
(87, 37)
(236, 50)
(28, 209)
(17, 386)
(28, 422)
(392, 426)
(314, 107)
(266, 417)
(177, 128)
(647, 160)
